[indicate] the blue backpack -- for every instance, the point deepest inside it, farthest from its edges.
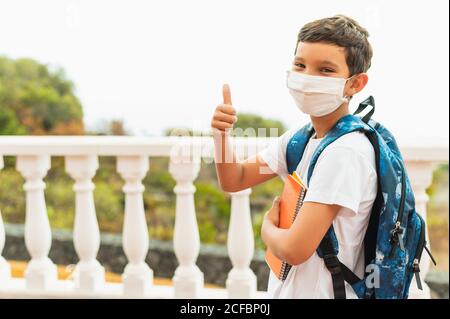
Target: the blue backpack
(395, 237)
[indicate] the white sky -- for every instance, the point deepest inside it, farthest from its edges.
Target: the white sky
(159, 64)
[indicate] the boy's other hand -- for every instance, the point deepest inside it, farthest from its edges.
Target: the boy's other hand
(225, 114)
(273, 214)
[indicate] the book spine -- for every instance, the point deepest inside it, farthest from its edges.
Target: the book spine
(285, 270)
(299, 204)
(285, 267)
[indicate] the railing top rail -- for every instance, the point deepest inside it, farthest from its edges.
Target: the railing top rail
(426, 149)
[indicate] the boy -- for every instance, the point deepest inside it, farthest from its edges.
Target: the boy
(331, 59)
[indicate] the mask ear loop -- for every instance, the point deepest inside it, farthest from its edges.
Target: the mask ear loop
(349, 98)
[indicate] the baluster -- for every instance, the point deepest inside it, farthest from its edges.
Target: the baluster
(89, 275)
(188, 279)
(40, 272)
(420, 174)
(5, 269)
(241, 281)
(137, 276)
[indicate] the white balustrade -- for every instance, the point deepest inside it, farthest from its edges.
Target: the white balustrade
(40, 272)
(188, 279)
(89, 275)
(137, 276)
(241, 281)
(81, 153)
(5, 269)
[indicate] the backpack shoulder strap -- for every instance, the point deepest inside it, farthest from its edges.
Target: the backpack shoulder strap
(370, 101)
(339, 272)
(296, 147)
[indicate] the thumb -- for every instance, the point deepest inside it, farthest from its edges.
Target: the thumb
(276, 201)
(226, 94)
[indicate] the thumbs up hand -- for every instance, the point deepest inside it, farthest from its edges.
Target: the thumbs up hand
(225, 114)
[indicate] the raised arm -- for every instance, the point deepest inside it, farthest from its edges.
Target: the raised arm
(234, 175)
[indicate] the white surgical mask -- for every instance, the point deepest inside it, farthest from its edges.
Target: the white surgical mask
(316, 95)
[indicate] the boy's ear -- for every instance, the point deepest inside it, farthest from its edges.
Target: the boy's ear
(356, 84)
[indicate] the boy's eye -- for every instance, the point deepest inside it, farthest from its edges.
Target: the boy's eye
(299, 65)
(327, 70)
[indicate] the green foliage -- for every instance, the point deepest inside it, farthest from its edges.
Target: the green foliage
(256, 122)
(261, 200)
(213, 212)
(36, 99)
(257, 224)
(109, 205)
(159, 179)
(438, 193)
(12, 196)
(9, 125)
(440, 180)
(60, 201)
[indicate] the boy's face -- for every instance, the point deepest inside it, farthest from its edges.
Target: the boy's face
(323, 59)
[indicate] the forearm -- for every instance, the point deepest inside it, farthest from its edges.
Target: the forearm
(298, 243)
(229, 169)
(276, 239)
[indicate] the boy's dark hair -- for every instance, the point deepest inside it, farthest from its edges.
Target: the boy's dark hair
(343, 32)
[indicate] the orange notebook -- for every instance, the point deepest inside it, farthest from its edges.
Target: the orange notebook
(290, 203)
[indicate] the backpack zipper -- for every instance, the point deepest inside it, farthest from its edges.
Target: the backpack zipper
(397, 231)
(416, 261)
(421, 245)
(285, 267)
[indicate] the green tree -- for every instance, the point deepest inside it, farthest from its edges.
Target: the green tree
(9, 124)
(36, 99)
(249, 120)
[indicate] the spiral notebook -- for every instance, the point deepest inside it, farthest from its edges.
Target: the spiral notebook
(291, 201)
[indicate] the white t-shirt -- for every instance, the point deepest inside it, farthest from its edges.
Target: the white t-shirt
(345, 175)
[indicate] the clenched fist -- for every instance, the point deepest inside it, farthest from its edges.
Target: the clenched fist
(225, 114)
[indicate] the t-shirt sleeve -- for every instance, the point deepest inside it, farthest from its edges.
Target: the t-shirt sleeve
(275, 154)
(340, 177)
